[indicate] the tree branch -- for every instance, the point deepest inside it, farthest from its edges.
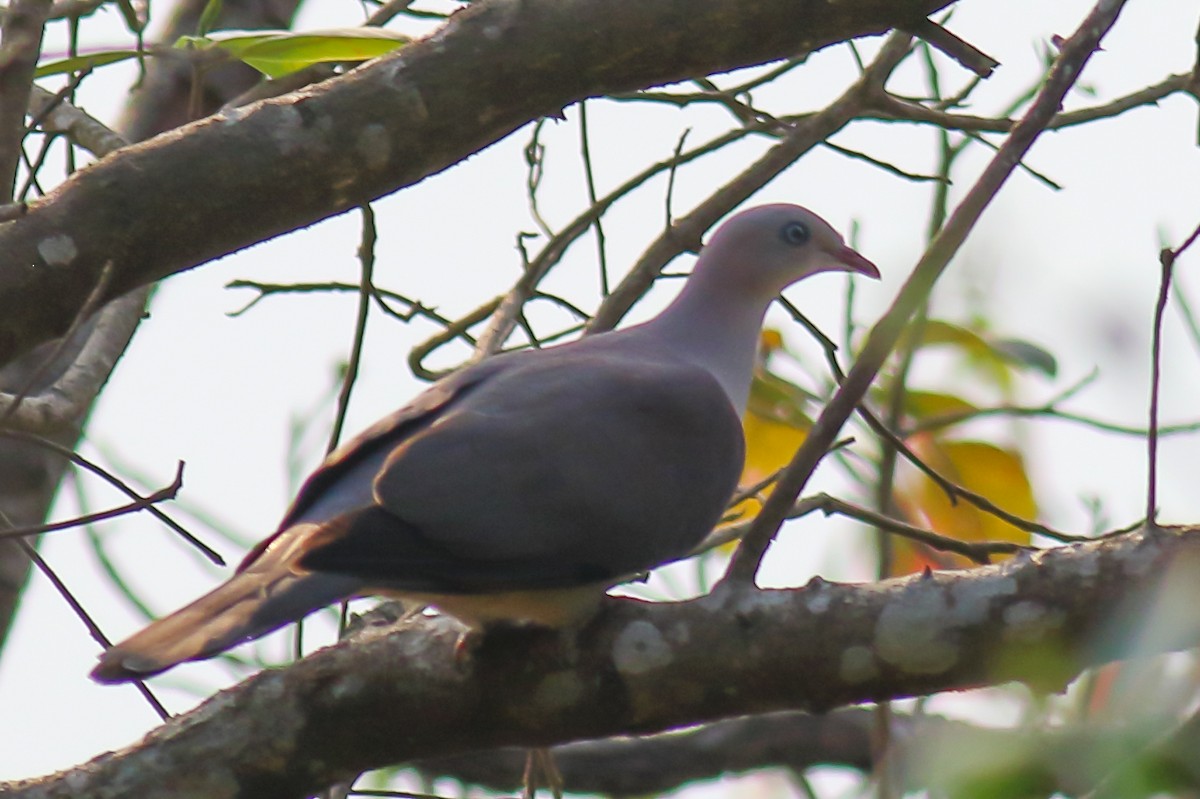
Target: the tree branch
(653, 764)
(394, 695)
(494, 67)
(941, 755)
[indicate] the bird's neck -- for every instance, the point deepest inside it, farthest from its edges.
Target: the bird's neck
(716, 331)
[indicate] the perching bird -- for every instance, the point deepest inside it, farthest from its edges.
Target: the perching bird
(523, 487)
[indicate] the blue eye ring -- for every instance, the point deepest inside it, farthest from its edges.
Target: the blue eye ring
(795, 233)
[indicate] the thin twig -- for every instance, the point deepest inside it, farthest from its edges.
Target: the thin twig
(161, 495)
(1166, 260)
(961, 51)
(1049, 411)
(590, 177)
(93, 629)
(50, 105)
(890, 107)
(387, 12)
(118, 483)
(980, 551)
(366, 256)
(669, 195)
(891, 169)
(456, 329)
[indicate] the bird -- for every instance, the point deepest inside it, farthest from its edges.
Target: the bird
(521, 488)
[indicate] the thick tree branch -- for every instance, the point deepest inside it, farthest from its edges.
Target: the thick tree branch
(215, 186)
(398, 695)
(940, 755)
(653, 764)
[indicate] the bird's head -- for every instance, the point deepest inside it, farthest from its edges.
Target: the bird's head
(767, 248)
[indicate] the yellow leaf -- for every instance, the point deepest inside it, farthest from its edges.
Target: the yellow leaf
(926, 404)
(770, 445)
(775, 425)
(994, 472)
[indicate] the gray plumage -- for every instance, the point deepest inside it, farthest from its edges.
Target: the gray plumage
(525, 486)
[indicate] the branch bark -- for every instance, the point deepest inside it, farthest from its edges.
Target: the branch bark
(398, 695)
(235, 179)
(654, 764)
(940, 755)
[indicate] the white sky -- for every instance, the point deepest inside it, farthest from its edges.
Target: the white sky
(1075, 271)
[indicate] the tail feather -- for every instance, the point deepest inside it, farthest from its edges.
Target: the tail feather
(251, 604)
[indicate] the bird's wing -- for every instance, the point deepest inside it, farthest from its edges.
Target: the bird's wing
(575, 467)
(343, 481)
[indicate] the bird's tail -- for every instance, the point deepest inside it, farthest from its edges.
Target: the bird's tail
(253, 603)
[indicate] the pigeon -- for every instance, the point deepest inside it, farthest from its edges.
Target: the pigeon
(521, 488)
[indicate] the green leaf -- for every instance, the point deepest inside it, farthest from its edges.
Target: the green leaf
(208, 17)
(996, 357)
(780, 400)
(81, 62)
(279, 53)
(1023, 353)
(133, 20)
(924, 404)
(936, 332)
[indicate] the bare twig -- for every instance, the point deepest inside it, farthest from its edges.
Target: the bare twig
(118, 483)
(93, 629)
(895, 444)
(585, 152)
(161, 495)
(1048, 410)
(366, 256)
(67, 399)
(387, 12)
(891, 107)
(979, 552)
(884, 165)
(961, 51)
(456, 329)
(1166, 260)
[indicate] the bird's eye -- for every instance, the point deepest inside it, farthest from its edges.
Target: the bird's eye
(795, 233)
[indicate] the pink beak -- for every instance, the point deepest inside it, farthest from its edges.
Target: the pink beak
(855, 262)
